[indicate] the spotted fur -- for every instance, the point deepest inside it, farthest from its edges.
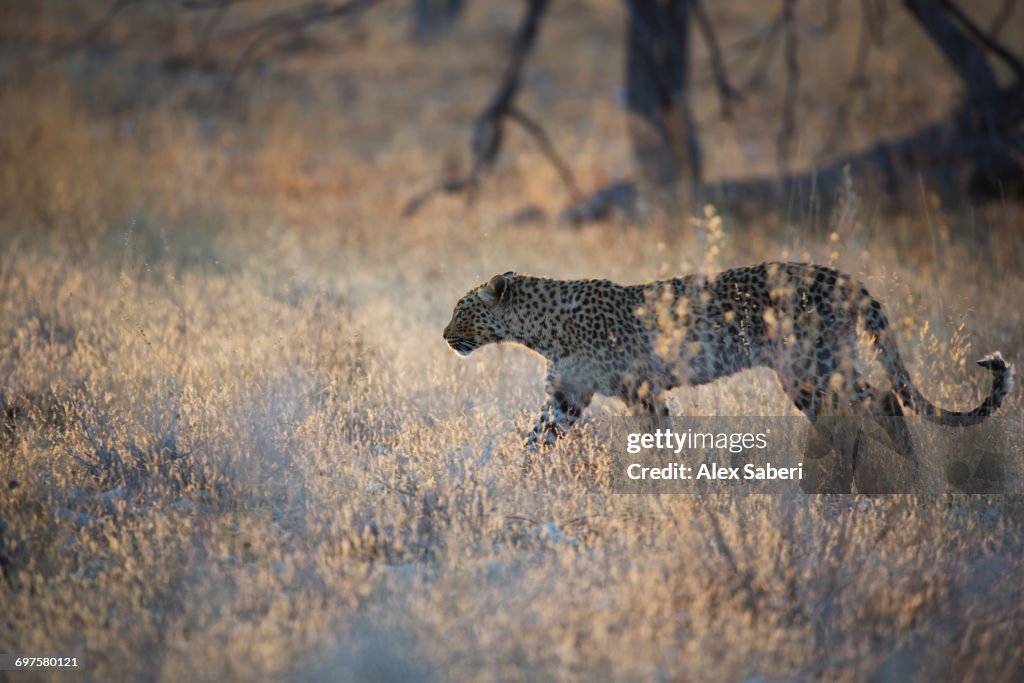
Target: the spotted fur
(637, 342)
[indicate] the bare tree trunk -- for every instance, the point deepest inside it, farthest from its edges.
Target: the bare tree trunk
(963, 54)
(976, 151)
(661, 122)
(986, 128)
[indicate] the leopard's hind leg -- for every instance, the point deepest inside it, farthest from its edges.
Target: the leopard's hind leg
(876, 470)
(822, 473)
(820, 378)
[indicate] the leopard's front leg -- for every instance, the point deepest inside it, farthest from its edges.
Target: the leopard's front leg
(648, 408)
(560, 412)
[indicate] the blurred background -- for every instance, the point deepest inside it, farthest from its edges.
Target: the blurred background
(550, 112)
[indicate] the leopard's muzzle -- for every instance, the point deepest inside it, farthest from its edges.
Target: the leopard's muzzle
(462, 346)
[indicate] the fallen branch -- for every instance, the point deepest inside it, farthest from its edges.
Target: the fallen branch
(946, 156)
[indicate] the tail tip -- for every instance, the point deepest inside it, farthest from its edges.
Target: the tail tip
(995, 362)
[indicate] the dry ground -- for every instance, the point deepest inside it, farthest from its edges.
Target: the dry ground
(235, 446)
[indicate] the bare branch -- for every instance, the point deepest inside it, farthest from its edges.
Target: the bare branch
(503, 97)
(753, 41)
(727, 94)
(990, 43)
(450, 186)
(291, 21)
(548, 149)
(210, 25)
(97, 29)
(764, 55)
(858, 76)
(489, 127)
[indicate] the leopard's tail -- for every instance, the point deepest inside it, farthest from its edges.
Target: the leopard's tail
(885, 342)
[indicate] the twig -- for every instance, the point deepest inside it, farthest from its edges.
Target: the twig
(751, 42)
(736, 51)
(727, 94)
(292, 21)
(93, 32)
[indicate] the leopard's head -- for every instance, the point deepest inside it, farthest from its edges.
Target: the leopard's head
(480, 316)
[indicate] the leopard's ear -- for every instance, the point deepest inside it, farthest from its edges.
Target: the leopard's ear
(495, 291)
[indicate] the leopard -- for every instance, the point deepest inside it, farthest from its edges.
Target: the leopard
(638, 342)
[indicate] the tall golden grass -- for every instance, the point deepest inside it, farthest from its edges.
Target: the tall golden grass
(235, 446)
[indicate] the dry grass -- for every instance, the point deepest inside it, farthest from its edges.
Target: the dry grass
(235, 446)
